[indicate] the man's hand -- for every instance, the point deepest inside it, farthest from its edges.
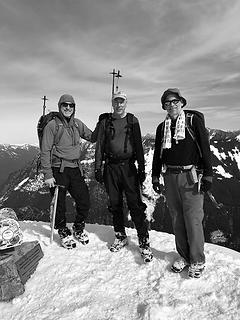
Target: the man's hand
(99, 176)
(158, 188)
(206, 185)
(141, 176)
(50, 182)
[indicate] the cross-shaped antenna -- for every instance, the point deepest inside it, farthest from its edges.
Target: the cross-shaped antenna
(115, 75)
(44, 104)
(118, 76)
(113, 78)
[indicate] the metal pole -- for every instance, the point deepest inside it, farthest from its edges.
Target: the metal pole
(113, 81)
(44, 104)
(53, 208)
(118, 76)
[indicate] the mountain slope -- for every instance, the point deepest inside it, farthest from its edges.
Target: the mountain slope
(14, 157)
(26, 194)
(93, 283)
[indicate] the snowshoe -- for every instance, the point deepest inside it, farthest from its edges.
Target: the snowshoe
(146, 254)
(196, 269)
(80, 235)
(145, 250)
(67, 240)
(179, 265)
(119, 242)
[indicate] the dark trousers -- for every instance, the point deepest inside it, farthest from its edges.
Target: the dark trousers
(72, 181)
(122, 177)
(186, 208)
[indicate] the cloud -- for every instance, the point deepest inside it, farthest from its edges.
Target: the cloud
(51, 47)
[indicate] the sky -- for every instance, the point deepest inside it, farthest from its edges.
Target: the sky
(69, 46)
(90, 282)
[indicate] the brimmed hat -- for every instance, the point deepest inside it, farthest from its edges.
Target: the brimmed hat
(173, 91)
(120, 94)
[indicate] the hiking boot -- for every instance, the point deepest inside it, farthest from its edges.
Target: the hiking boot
(119, 242)
(80, 234)
(196, 269)
(179, 265)
(146, 252)
(66, 238)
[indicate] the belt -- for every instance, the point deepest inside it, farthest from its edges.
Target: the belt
(178, 169)
(119, 161)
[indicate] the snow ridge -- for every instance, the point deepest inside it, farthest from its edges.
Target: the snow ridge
(93, 283)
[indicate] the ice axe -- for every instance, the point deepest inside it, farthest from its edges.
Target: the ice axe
(53, 208)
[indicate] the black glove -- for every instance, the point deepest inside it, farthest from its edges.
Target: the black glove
(206, 185)
(98, 175)
(141, 176)
(158, 188)
(103, 116)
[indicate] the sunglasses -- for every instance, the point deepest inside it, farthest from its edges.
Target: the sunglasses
(66, 104)
(169, 102)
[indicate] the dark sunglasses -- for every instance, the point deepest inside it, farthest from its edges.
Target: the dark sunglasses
(169, 102)
(65, 105)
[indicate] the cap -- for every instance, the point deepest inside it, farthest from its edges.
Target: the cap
(66, 98)
(120, 94)
(173, 91)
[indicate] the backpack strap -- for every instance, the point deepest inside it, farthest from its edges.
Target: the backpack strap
(129, 131)
(109, 131)
(59, 131)
(190, 129)
(162, 138)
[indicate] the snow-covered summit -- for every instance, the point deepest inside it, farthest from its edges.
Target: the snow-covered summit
(90, 282)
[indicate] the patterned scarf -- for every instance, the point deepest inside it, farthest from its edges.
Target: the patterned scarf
(179, 133)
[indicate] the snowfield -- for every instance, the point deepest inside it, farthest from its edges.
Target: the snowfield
(92, 283)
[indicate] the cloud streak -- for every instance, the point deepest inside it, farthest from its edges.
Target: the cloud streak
(53, 47)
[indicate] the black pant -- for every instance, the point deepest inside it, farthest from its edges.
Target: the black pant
(74, 183)
(119, 177)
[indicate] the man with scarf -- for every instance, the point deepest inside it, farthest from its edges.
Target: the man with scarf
(177, 159)
(61, 166)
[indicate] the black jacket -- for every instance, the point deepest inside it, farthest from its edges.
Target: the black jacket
(134, 149)
(185, 152)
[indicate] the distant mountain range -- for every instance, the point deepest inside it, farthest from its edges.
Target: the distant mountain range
(25, 192)
(14, 157)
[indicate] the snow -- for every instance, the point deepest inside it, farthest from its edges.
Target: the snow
(220, 170)
(92, 283)
(35, 184)
(219, 155)
(236, 154)
(21, 183)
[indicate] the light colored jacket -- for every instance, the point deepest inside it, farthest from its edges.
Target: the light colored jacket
(67, 152)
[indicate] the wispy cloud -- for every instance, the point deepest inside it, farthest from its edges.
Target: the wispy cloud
(52, 47)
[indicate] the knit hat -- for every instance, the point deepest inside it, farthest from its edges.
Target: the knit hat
(120, 94)
(66, 98)
(175, 92)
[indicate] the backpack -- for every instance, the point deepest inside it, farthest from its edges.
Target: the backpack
(43, 121)
(110, 131)
(190, 128)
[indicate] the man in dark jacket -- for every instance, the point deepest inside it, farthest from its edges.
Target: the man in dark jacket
(119, 144)
(61, 165)
(178, 159)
